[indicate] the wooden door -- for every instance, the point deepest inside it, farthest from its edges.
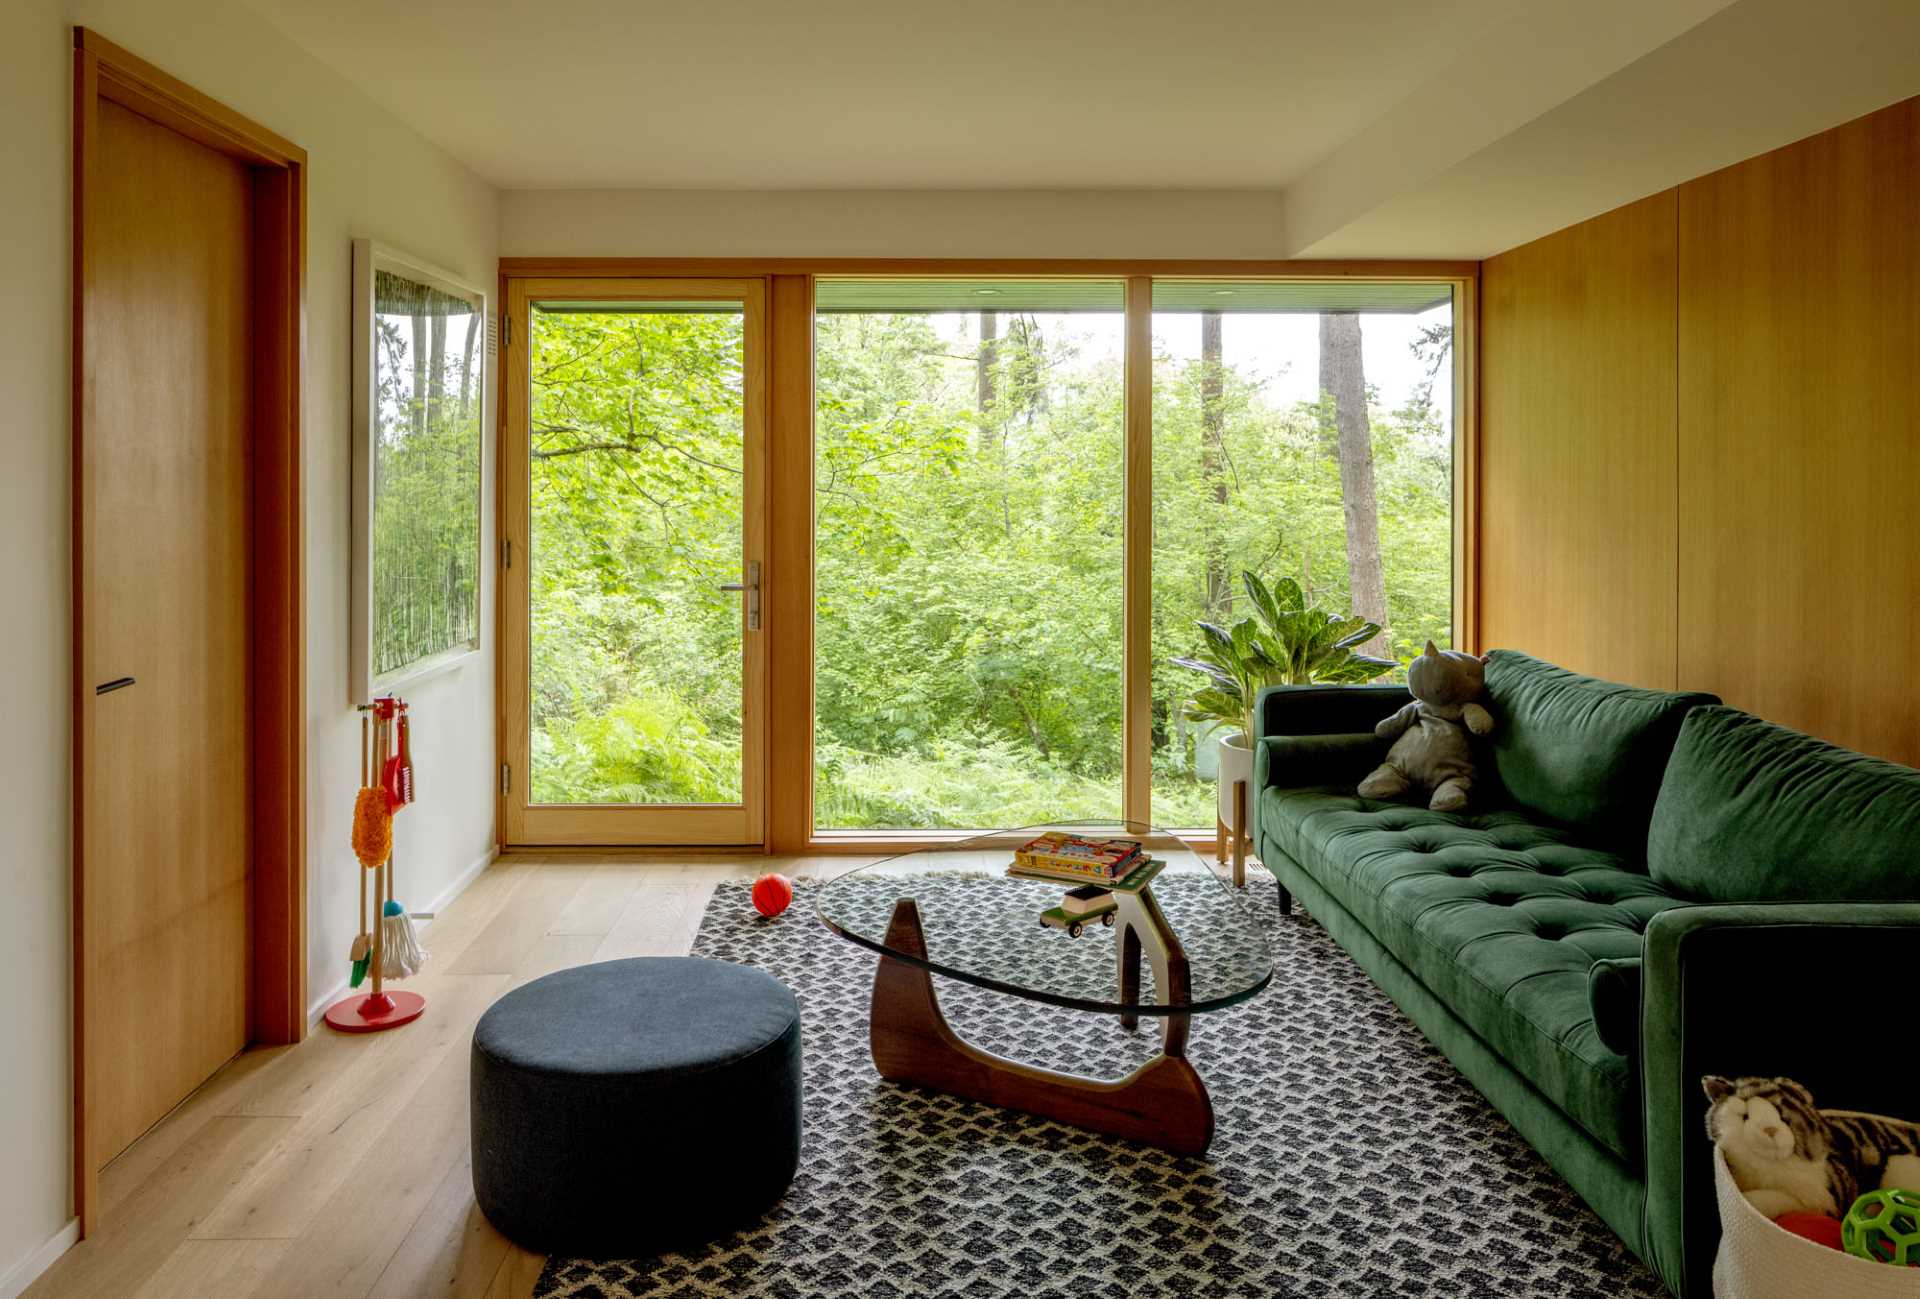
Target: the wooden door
(164, 489)
(633, 476)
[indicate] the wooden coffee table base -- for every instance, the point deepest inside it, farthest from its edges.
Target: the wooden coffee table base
(1163, 1103)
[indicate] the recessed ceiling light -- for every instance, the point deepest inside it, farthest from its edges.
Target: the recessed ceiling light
(987, 293)
(1224, 293)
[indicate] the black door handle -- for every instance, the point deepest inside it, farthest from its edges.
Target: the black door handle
(108, 687)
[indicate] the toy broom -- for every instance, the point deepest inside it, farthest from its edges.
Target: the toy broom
(372, 844)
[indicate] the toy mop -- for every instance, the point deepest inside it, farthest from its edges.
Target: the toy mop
(385, 946)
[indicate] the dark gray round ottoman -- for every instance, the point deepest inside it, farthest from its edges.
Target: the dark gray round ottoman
(633, 1105)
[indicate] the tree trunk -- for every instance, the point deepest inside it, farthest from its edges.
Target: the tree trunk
(983, 363)
(1343, 378)
(466, 367)
(1213, 465)
(437, 368)
(419, 359)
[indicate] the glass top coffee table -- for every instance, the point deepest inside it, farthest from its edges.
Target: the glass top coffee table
(954, 911)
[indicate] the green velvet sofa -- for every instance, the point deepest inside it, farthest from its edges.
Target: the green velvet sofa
(1647, 888)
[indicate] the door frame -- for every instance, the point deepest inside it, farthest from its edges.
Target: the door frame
(276, 614)
(588, 825)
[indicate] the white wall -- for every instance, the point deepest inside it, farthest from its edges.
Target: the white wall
(36, 1066)
(891, 223)
(369, 175)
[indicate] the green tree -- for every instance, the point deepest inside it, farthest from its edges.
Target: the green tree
(968, 511)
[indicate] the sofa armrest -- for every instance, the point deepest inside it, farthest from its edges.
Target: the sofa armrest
(1323, 710)
(1295, 760)
(1613, 995)
(1768, 989)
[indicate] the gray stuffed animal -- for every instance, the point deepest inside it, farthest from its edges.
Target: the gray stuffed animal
(1430, 748)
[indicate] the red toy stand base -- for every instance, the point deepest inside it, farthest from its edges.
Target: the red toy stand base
(370, 1014)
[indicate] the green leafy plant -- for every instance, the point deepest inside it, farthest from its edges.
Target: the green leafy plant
(1286, 642)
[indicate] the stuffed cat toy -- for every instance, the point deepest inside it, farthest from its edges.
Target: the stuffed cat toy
(1786, 1156)
(1430, 749)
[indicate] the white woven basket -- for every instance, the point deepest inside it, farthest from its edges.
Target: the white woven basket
(1758, 1260)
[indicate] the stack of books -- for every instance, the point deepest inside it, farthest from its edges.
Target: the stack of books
(1059, 856)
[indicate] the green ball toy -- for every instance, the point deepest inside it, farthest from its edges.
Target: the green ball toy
(1884, 1227)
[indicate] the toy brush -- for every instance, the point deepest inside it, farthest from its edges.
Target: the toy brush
(398, 775)
(401, 955)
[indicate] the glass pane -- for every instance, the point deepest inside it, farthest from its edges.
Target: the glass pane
(427, 359)
(1302, 432)
(968, 555)
(977, 921)
(637, 466)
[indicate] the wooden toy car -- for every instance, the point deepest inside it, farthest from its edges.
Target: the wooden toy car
(1075, 925)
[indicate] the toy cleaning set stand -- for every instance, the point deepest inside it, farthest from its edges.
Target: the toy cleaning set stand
(385, 946)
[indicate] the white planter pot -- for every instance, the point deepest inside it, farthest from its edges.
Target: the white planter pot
(1206, 748)
(1236, 763)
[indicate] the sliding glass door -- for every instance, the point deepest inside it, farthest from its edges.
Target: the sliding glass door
(634, 660)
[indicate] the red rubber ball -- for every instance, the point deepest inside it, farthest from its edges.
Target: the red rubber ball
(1816, 1227)
(772, 894)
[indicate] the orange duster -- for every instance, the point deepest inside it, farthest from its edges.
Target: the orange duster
(372, 827)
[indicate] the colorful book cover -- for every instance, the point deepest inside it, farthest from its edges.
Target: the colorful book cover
(1133, 881)
(1091, 858)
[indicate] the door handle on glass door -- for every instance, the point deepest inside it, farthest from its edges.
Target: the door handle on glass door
(752, 588)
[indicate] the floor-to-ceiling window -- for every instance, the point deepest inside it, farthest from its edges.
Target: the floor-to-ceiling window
(969, 468)
(1026, 495)
(1302, 432)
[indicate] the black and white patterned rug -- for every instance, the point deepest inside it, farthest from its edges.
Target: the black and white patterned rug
(1350, 1160)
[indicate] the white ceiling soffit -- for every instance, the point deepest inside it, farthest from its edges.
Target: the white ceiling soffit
(887, 94)
(1758, 75)
(1518, 70)
(1395, 128)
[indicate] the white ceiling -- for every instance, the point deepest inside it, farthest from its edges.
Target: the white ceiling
(1372, 124)
(886, 94)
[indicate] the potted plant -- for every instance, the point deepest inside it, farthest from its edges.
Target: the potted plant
(1285, 641)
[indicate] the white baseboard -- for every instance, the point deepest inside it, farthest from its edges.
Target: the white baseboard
(460, 884)
(28, 1270)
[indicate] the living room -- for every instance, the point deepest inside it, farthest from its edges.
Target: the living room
(1233, 651)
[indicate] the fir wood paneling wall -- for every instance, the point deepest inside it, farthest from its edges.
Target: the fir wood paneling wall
(1700, 438)
(1577, 446)
(1799, 444)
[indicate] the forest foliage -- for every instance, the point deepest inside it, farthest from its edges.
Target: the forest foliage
(425, 552)
(968, 558)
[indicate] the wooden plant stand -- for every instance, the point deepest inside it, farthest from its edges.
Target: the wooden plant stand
(1234, 840)
(1162, 1103)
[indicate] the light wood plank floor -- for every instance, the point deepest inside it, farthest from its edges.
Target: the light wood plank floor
(340, 1166)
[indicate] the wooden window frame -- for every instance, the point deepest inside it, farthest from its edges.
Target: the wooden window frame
(790, 564)
(276, 688)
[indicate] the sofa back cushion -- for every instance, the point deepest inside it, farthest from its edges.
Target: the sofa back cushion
(1583, 751)
(1753, 812)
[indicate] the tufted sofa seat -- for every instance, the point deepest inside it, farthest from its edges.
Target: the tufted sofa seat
(1505, 916)
(1646, 888)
